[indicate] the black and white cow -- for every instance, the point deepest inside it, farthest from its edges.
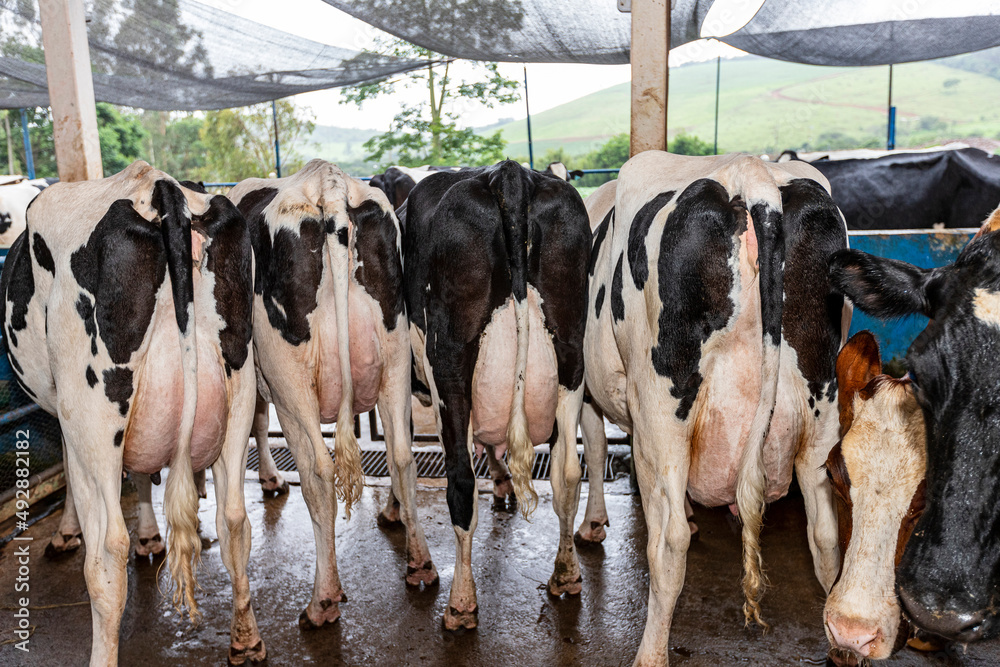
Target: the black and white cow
(496, 288)
(331, 341)
(127, 313)
(14, 199)
(559, 170)
(397, 182)
(948, 579)
(712, 338)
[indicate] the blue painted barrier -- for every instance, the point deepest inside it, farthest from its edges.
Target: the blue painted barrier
(926, 248)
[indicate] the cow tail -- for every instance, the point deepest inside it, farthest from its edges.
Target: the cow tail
(751, 480)
(507, 183)
(349, 479)
(181, 496)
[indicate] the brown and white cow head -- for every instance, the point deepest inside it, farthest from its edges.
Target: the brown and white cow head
(877, 474)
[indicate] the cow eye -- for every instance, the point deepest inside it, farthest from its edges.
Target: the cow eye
(829, 475)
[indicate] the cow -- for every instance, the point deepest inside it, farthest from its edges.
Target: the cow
(397, 181)
(948, 579)
(331, 341)
(559, 170)
(712, 337)
(496, 287)
(600, 205)
(395, 184)
(877, 474)
(14, 200)
(953, 188)
(126, 309)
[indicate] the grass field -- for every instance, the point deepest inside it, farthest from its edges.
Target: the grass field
(768, 105)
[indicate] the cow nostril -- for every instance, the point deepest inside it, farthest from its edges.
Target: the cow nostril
(852, 635)
(937, 619)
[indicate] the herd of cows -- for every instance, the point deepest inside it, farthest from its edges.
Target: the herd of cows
(702, 304)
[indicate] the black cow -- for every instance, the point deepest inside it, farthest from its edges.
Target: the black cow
(915, 190)
(395, 184)
(948, 580)
(496, 288)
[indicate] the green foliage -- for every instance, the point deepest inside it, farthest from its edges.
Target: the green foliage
(686, 144)
(122, 138)
(239, 143)
(174, 144)
(428, 133)
(121, 134)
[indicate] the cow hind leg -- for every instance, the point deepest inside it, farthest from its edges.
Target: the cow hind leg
(503, 487)
(94, 465)
(389, 517)
(821, 512)
(271, 481)
(662, 460)
(454, 410)
(566, 476)
(394, 406)
(232, 524)
(595, 450)
(300, 423)
(150, 541)
(68, 536)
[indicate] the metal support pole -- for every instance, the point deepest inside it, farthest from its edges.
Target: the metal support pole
(890, 142)
(650, 75)
(277, 144)
(527, 110)
(718, 72)
(29, 159)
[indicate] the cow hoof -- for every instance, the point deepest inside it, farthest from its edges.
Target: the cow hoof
(273, 488)
(63, 545)
(256, 654)
(426, 574)
(693, 527)
(558, 586)
(150, 546)
(590, 536)
(387, 519)
(503, 488)
(328, 613)
(456, 620)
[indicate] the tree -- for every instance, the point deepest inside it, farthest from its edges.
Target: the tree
(174, 143)
(239, 143)
(122, 137)
(121, 134)
(687, 144)
(428, 133)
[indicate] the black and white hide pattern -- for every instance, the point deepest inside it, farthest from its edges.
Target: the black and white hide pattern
(331, 341)
(14, 201)
(126, 314)
(712, 338)
(496, 287)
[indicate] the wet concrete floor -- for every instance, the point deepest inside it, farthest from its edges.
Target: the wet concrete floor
(384, 623)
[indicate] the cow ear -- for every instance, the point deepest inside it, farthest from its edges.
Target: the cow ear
(992, 224)
(884, 288)
(857, 364)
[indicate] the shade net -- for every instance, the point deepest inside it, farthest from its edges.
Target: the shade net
(819, 32)
(535, 31)
(856, 32)
(180, 55)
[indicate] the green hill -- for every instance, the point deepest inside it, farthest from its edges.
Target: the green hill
(770, 105)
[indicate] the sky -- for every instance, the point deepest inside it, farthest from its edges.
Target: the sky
(549, 85)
